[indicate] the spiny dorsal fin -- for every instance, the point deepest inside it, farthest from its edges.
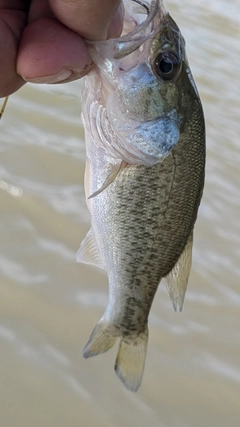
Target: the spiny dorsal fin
(88, 252)
(110, 178)
(177, 279)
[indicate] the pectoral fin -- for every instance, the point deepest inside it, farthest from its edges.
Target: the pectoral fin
(177, 279)
(110, 178)
(88, 252)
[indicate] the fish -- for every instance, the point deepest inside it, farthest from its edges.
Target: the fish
(144, 177)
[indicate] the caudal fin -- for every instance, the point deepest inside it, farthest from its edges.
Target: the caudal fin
(130, 361)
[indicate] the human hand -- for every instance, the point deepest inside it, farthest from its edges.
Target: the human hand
(42, 40)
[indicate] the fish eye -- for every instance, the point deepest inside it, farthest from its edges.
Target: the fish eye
(167, 65)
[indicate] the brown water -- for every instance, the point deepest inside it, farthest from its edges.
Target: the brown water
(49, 304)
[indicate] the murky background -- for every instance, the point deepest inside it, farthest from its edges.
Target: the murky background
(49, 304)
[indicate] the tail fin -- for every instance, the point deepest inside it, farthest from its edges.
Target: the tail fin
(130, 360)
(131, 356)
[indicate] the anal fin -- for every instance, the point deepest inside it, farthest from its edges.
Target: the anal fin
(177, 279)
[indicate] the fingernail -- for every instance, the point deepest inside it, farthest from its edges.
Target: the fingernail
(61, 76)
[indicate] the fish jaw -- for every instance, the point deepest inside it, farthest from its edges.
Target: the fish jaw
(134, 34)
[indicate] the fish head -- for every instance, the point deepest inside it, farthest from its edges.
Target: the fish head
(147, 86)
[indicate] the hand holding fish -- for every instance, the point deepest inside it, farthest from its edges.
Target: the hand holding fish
(42, 41)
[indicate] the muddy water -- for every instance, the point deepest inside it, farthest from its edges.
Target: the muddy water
(49, 304)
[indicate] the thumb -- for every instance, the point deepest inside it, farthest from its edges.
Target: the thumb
(90, 18)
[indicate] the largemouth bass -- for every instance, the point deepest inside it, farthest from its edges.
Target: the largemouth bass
(145, 143)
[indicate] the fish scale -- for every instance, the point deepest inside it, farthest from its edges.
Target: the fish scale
(144, 179)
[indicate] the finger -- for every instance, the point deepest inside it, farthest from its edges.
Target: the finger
(89, 18)
(39, 9)
(12, 22)
(116, 25)
(51, 53)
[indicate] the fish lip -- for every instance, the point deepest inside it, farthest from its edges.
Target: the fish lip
(122, 46)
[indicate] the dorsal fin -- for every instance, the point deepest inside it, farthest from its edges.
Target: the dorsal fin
(88, 252)
(177, 279)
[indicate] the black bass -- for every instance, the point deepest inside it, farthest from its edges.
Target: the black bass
(145, 142)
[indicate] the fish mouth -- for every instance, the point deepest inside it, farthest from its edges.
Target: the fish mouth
(130, 41)
(142, 4)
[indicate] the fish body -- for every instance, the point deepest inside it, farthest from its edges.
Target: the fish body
(145, 143)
